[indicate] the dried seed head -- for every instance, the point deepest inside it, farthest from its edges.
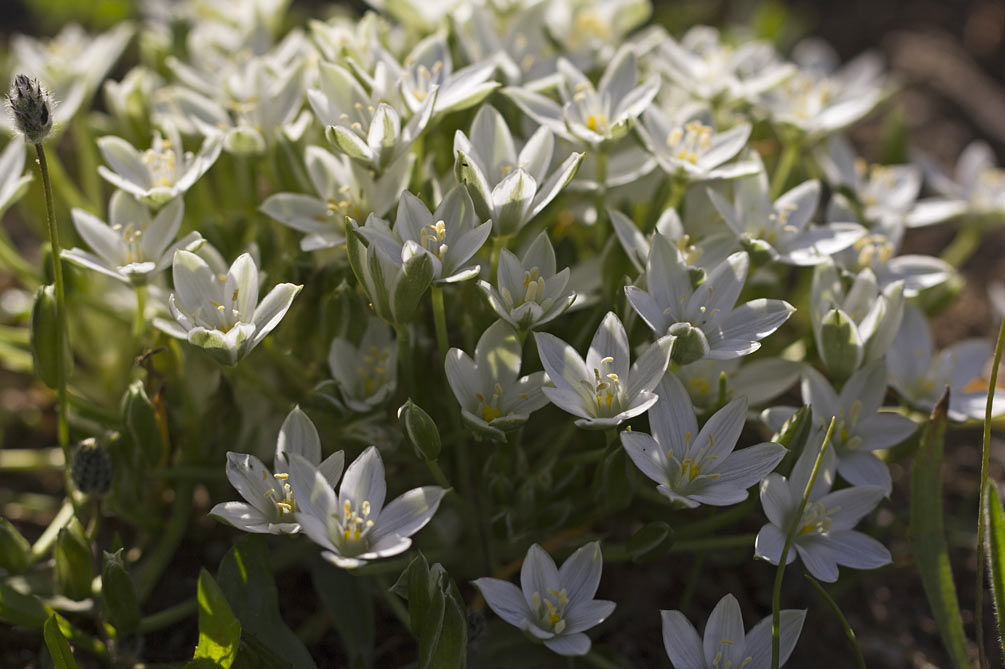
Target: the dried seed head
(31, 108)
(92, 468)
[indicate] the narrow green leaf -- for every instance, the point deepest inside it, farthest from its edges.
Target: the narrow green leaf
(20, 609)
(219, 629)
(59, 648)
(995, 545)
(119, 604)
(15, 551)
(437, 613)
(350, 605)
(928, 539)
(245, 577)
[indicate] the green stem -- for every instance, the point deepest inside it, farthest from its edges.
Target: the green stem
(57, 274)
(168, 616)
(48, 538)
(985, 455)
(140, 319)
(171, 536)
(859, 660)
(405, 364)
(966, 241)
(499, 242)
(437, 472)
(678, 187)
(776, 597)
(440, 320)
(783, 168)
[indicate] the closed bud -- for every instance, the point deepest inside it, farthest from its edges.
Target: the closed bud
(92, 469)
(139, 418)
(74, 565)
(15, 551)
(119, 605)
(841, 346)
(46, 336)
(794, 431)
(760, 252)
(421, 430)
(690, 344)
(31, 108)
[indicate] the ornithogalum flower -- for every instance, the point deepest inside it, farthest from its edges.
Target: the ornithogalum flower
(977, 185)
(553, 606)
(13, 181)
(494, 398)
(591, 115)
(528, 291)
(507, 187)
(705, 316)
(133, 246)
(860, 428)
(602, 390)
(269, 504)
(824, 537)
(921, 375)
(725, 644)
(695, 466)
(366, 374)
(354, 526)
(220, 313)
(691, 149)
(781, 228)
(162, 172)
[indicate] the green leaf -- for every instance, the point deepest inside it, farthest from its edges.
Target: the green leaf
(59, 648)
(650, 542)
(15, 551)
(246, 580)
(437, 613)
(841, 347)
(74, 565)
(119, 604)
(20, 609)
(350, 605)
(995, 545)
(219, 629)
(46, 336)
(139, 418)
(928, 539)
(421, 430)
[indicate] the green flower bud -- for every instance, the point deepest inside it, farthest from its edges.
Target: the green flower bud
(74, 564)
(15, 551)
(421, 430)
(119, 605)
(92, 468)
(244, 141)
(760, 251)
(841, 346)
(139, 418)
(690, 344)
(793, 433)
(46, 336)
(31, 108)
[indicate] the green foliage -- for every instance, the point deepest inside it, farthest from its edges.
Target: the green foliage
(349, 602)
(219, 628)
(437, 613)
(74, 569)
(995, 546)
(119, 604)
(59, 648)
(15, 551)
(421, 430)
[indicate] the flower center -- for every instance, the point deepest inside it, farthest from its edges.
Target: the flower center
(689, 142)
(873, 249)
(161, 160)
(606, 388)
(816, 518)
(550, 609)
(490, 406)
(433, 239)
(374, 371)
(355, 523)
(846, 423)
(285, 504)
(130, 235)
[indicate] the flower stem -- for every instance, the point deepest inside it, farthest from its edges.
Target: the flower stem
(859, 660)
(981, 511)
(437, 472)
(600, 225)
(140, 320)
(168, 616)
(404, 340)
(48, 538)
(499, 242)
(776, 611)
(966, 241)
(440, 320)
(783, 168)
(63, 428)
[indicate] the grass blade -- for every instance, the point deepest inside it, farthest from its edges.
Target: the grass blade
(995, 545)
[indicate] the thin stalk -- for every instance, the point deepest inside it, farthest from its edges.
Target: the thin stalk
(440, 320)
(48, 538)
(63, 429)
(981, 511)
(168, 616)
(784, 167)
(405, 363)
(499, 242)
(776, 597)
(140, 319)
(859, 660)
(437, 472)
(677, 189)
(966, 241)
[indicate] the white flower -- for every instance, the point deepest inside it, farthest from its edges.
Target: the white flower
(602, 390)
(366, 374)
(706, 314)
(977, 186)
(591, 116)
(354, 526)
(343, 188)
(691, 149)
(824, 537)
(712, 71)
(162, 172)
(520, 47)
(508, 187)
(781, 228)
(528, 291)
(921, 375)
(270, 504)
(861, 427)
(133, 246)
(553, 606)
(725, 644)
(364, 126)
(494, 398)
(13, 179)
(693, 466)
(758, 380)
(221, 312)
